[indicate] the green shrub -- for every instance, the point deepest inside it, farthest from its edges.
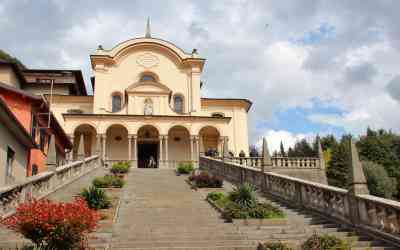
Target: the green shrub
(96, 198)
(214, 196)
(120, 168)
(379, 183)
(185, 168)
(244, 195)
(273, 246)
(108, 181)
(324, 242)
(233, 210)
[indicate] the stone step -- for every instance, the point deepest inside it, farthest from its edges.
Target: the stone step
(182, 244)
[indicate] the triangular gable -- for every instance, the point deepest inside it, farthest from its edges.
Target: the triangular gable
(148, 87)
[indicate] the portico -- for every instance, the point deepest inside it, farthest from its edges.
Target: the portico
(126, 138)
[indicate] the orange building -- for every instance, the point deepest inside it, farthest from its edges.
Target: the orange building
(32, 113)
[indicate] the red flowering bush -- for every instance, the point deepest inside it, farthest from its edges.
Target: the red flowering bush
(52, 225)
(205, 180)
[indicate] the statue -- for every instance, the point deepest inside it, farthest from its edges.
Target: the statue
(148, 107)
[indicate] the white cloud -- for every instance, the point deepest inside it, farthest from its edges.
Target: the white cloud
(275, 137)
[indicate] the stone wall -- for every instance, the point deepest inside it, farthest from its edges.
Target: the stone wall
(375, 216)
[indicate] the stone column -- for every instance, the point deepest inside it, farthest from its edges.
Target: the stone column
(98, 145)
(191, 147)
(134, 151)
(166, 151)
(220, 146)
(103, 137)
(197, 140)
(71, 153)
(81, 147)
(129, 147)
(160, 160)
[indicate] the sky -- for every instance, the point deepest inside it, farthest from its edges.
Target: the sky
(309, 67)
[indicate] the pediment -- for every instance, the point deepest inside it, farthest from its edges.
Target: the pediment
(148, 87)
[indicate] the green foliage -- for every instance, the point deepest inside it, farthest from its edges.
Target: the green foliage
(324, 242)
(108, 181)
(214, 196)
(120, 168)
(258, 211)
(379, 183)
(96, 198)
(185, 168)
(338, 171)
(244, 195)
(7, 57)
(273, 246)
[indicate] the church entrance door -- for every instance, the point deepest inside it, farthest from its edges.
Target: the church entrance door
(148, 155)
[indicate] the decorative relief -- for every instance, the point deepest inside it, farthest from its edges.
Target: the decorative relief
(147, 60)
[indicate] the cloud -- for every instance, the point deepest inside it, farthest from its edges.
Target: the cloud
(280, 54)
(275, 137)
(393, 88)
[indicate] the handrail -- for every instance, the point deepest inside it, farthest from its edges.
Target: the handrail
(42, 184)
(374, 215)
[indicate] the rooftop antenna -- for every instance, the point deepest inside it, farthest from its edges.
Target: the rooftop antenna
(148, 32)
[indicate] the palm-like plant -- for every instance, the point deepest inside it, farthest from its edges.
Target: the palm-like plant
(244, 195)
(96, 198)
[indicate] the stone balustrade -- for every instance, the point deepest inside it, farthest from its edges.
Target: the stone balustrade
(376, 216)
(41, 185)
(278, 162)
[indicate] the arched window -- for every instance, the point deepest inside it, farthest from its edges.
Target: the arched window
(178, 103)
(116, 102)
(218, 115)
(35, 169)
(148, 77)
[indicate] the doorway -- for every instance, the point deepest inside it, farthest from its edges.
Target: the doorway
(148, 155)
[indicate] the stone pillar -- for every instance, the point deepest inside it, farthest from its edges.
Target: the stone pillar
(266, 160)
(51, 160)
(134, 151)
(98, 145)
(191, 148)
(166, 151)
(129, 147)
(358, 184)
(220, 146)
(320, 154)
(197, 140)
(103, 137)
(225, 150)
(160, 160)
(81, 148)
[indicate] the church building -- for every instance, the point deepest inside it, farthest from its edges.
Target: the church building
(146, 104)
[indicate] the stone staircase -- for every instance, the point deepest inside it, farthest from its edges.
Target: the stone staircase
(302, 224)
(160, 211)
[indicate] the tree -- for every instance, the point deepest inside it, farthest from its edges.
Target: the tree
(379, 183)
(7, 57)
(282, 150)
(338, 171)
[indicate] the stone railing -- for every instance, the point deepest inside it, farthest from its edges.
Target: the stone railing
(277, 162)
(373, 215)
(41, 185)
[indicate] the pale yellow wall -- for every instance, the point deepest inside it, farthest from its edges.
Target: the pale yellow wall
(126, 72)
(21, 156)
(237, 129)
(8, 76)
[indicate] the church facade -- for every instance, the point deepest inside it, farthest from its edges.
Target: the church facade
(147, 104)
